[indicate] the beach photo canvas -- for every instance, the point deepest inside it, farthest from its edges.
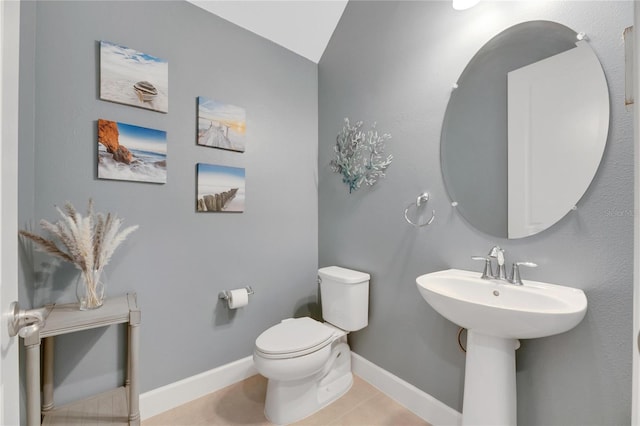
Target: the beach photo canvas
(221, 125)
(133, 78)
(133, 153)
(220, 188)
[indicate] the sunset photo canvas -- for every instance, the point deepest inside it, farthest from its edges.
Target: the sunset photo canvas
(221, 125)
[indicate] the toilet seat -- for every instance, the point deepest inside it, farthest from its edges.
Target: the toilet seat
(294, 337)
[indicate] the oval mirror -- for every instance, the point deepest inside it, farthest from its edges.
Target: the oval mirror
(525, 129)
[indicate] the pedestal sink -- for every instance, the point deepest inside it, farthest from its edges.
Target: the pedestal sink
(496, 314)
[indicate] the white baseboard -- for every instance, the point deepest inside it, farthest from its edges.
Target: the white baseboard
(420, 403)
(175, 394)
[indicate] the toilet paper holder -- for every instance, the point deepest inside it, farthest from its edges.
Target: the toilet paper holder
(226, 294)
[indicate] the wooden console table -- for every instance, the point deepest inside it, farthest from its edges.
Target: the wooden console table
(119, 406)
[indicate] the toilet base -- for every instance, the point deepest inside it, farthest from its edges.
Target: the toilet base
(290, 401)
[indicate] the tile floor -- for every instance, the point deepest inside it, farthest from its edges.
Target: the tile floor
(243, 404)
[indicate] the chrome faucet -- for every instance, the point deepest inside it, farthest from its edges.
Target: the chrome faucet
(515, 272)
(487, 272)
(498, 254)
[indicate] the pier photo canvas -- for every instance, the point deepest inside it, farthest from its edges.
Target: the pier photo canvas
(133, 78)
(220, 188)
(221, 125)
(133, 153)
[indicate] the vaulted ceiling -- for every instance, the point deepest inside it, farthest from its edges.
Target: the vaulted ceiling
(302, 26)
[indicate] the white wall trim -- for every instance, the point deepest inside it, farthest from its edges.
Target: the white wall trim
(635, 69)
(9, 125)
(420, 403)
(175, 394)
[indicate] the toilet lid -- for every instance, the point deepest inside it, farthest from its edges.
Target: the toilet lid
(294, 335)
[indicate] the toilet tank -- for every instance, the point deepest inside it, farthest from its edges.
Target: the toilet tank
(345, 297)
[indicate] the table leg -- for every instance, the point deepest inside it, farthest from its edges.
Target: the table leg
(33, 384)
(134, 402)
(47, 375)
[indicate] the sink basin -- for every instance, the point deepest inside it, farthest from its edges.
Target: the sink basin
(501, 309)
(496, 314)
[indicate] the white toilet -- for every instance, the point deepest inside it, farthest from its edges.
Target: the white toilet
(307, 362)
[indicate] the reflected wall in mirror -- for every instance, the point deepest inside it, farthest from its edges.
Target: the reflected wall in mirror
(525, 130)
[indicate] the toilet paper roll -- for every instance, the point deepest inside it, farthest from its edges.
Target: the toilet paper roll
(238, 298)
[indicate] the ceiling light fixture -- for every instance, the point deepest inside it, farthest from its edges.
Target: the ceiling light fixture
(464, 4)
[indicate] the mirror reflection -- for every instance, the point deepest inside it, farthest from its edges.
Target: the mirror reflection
(525, 130)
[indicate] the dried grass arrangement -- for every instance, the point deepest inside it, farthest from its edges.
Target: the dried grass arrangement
(88, 242)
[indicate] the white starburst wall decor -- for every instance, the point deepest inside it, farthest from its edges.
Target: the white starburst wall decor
(359, 155)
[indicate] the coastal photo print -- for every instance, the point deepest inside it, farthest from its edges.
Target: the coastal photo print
(133, 153)
(221, 125)
(220, 188)
(133, 78)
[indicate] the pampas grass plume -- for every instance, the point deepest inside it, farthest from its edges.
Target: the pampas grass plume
(88, 242)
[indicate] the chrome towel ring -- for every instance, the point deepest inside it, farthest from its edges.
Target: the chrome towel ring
(422, 199)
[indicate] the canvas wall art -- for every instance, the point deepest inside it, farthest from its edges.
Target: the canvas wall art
(133, 153)
(221, 125)
(133, 78)
(220, 188)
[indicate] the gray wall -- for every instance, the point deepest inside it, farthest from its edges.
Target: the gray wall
(178, 260)
(394, 63)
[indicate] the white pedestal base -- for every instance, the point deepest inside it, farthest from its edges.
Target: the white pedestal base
(489, 381)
